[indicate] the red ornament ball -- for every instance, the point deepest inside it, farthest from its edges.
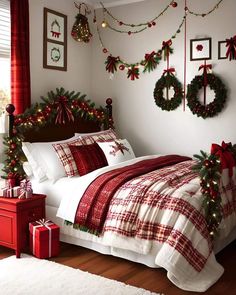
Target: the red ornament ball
(153, 23)
(13, 146)
(149, 25)
(129, 33)
(121, 67)
(104, 50)
(207, 163)
(174, 4)
(120, 23)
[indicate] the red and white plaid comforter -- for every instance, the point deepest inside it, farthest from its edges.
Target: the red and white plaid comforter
(164, 206)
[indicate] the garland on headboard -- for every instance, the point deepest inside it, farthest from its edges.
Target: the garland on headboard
(59, 107)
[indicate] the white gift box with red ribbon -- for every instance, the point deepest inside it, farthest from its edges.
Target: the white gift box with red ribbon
(44, 238)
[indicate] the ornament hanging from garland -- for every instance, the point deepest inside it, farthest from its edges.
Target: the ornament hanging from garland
(80, 30)
(214, 82)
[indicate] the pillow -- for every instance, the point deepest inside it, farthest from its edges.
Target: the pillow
(88, 157)
(117, 151)
(43, 159)
(65, 155)
(27, 169)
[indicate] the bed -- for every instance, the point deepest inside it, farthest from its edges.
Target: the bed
(166, 229)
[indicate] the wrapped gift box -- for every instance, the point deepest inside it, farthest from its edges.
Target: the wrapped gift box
(13, 192)
(44, 238)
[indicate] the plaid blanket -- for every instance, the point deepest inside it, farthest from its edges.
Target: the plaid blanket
(93, 207)
(160, 213)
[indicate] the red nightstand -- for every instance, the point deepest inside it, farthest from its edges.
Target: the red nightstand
(15, 215)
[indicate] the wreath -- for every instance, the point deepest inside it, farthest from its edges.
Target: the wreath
(166, 81)
(213, 108)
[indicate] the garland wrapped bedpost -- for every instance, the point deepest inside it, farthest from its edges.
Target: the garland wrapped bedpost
(208, 167)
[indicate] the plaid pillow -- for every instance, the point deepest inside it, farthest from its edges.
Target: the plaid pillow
(64, 153)
(88, 157)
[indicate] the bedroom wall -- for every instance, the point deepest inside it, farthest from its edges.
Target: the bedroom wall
(147, 127)
(78, 74)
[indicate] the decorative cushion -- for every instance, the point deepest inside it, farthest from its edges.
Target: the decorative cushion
(65, 155)
(88, 157)
(117, 151)
(43, 159)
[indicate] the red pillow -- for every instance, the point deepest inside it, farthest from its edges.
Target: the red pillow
(88, 157)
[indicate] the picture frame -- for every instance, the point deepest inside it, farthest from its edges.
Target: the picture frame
(222, 50)
(54, 40)
(200, 49)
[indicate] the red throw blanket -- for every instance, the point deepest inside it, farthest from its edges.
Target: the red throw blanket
(93, 207)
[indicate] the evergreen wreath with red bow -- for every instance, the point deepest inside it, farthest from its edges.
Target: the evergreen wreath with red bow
(168, 80)
(214, 82)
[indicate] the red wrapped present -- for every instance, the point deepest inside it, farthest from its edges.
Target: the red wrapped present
(44, 238)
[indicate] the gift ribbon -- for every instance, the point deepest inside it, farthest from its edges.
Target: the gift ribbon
(45, 223)
(226, 156)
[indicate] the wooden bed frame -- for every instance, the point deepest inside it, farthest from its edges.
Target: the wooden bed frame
(86, 119)
(54, 132)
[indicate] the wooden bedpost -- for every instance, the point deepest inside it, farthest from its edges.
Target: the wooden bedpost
(10, 110)
(109, 109)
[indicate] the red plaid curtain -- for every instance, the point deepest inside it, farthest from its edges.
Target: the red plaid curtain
(20, 59)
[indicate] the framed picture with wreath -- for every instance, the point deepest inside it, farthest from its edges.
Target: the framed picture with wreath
(200, 49)
(54, 40)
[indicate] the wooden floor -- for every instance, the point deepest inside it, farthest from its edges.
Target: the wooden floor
(138, 275)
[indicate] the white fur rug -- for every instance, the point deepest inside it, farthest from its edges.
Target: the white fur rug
(32, 276)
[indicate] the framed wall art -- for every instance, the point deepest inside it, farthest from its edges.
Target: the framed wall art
(54, 40)
(200, 49)
(222, 50)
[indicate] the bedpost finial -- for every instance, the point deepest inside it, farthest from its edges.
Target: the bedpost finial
(10, 108)
(109, 101)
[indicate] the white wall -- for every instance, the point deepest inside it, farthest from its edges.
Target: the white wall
(78, 74)
(148, 128)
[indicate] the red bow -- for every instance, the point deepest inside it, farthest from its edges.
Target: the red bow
(166, 44)
(133, 73)
(150, 56)
(169, 71)
(63, 111)
(231, 51)
(226, 157)
(111, 63)
(205, 68)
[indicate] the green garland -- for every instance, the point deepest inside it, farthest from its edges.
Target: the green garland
(212, 108)
(208, 167)
(166, 81)
(41, 114)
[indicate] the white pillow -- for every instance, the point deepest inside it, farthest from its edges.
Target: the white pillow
(44, 160)
(117, 151)
(27, 169)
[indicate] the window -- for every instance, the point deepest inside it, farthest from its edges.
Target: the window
(5, 51)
